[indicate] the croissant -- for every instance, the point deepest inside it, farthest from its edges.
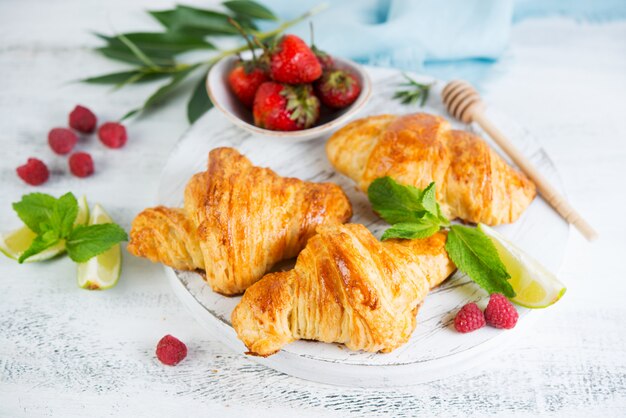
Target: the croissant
(347, 287)
(473, 182)
(238, 221)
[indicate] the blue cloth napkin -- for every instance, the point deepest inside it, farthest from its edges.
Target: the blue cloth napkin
(405, 33)
(449, 38)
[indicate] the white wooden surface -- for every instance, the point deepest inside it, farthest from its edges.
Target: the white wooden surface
(69, 352)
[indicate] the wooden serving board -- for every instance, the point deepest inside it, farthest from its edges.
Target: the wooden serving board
(435, 350)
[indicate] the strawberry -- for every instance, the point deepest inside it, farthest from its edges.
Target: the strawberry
(281, 107)
(293, 62)
(244, 80)
(338, 88)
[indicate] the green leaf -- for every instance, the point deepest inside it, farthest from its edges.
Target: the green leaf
(141, 56)
(64, 214)
(199, 103)
(474, 254)
(159, 43)
(35, 210)
(245, 22)
(126, 55)
(394, 202)
(39, 244)
(165, 90)
(86, 242)
(123, 77)
(412, 230)
(130, 114)
(250, 9)
(194, 21)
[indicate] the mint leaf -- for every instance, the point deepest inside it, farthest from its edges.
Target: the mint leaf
(412, 230)
(429, 199)
(395, 203)
(85, 242)
(444, 221)
(39, 244)
(36, 211)
(474, 254)
(64, 214)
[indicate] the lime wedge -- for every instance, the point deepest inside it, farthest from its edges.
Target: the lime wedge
(102, 271)
(534, 285)
(14, 243)
(83, 212)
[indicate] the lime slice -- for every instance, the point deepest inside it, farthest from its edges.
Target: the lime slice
(535, 286)
(14, 243)
(102, 271)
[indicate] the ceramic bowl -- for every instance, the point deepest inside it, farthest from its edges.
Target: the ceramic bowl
(224, 99)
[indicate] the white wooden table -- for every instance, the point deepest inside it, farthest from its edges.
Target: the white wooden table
(69, 352)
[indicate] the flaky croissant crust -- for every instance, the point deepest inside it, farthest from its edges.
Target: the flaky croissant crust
(238, 221)
(473, 182)
(347, 287)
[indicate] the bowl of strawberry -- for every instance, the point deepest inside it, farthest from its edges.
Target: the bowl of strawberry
(288, 90)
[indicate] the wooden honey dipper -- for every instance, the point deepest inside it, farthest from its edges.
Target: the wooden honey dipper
(464, 103)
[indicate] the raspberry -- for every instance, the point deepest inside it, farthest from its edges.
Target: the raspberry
(112, 134)
(170, 350)
(81, 164)
(83, 119)
(62, 140)
(500, 313)
(34, 172)
(469, 318)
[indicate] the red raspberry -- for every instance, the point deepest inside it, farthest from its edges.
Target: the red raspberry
(62, 140)
(469, 318)
(171, 351)
(81, 164)
(112, 134)
(34, 172)
(83, 119)
(501, 313)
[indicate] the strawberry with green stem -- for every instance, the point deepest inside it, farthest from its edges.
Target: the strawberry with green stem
(246, 76)
(291, 61)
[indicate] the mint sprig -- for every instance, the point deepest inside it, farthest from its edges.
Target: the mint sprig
(407, 208)
(54, 220)
(415, 213)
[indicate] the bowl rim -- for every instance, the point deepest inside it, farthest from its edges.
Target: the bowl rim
(359, 103)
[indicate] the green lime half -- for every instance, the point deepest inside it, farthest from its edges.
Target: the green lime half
(534, 285)
(102, 271)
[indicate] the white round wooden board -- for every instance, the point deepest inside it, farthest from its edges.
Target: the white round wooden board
(435, 350)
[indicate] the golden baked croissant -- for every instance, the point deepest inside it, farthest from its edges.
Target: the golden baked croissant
(238, 221)
(473, 182)
(347, 287)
